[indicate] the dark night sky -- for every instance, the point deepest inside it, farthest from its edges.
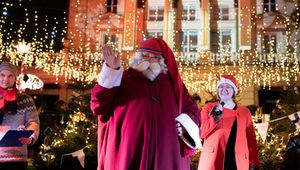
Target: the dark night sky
(51, 10)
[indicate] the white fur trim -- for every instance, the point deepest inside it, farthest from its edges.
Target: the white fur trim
(109, 77)
(191, 128)
(229, 105)
(224, 80)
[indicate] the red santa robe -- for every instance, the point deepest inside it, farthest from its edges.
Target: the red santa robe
(137, 123)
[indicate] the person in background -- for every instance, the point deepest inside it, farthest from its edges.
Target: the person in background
(197, 99)
(228, 132)
(61, 112)
(17, 112)
(291, 158)
(146, 117)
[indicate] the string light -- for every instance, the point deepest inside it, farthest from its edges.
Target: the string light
(77, 119)
(199, 71)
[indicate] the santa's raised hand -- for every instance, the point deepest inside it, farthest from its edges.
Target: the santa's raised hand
(111, 60)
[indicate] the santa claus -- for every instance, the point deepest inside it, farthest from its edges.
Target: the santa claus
(146, 117)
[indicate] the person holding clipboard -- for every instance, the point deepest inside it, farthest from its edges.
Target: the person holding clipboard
(18, 114)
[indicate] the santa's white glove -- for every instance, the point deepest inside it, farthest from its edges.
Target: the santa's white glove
(188, 131)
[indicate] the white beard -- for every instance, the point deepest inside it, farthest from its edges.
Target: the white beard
(150, 70)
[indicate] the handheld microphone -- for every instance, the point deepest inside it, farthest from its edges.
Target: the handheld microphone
(222, 103)
(219, 111)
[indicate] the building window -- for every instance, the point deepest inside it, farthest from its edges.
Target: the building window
(220, 12)
(214, 41)
(269, 43)
(110, 38)
(156, 13)
(224, 13)
(269, 5)
(155, 34)
(111, 6)
(225, 39)
(189, 41)
(188, 13)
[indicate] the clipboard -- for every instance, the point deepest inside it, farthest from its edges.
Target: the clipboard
(11, 137)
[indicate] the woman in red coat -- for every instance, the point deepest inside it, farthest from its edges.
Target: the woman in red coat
(228, 132)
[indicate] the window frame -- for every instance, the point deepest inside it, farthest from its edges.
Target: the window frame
(108, 36)
(112, 6)
(224, 16)
(190, 14)
(186, 45)
(158, 13)
(225, 45)
(156, 34)
(267, 46)
(269, 5)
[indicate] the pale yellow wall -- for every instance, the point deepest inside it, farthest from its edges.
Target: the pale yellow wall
(248, 96)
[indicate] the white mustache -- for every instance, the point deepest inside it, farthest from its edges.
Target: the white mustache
(150, 70)
(142, 66)
(153, 71)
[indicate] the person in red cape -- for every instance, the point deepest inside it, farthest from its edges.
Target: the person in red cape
(228, 132)
(17, 112)
(146, 117)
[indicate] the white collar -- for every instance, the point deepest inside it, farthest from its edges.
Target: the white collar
(229, 104)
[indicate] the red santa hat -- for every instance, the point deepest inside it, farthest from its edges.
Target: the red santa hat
(158, 46)
(229, 79)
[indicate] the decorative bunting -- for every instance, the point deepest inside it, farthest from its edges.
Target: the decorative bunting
(295, 118)
(262, 129)
(79, 154)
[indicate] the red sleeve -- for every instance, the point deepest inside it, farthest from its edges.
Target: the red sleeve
(102, 100)
(251, 140)
(208, 123)
(190, 108)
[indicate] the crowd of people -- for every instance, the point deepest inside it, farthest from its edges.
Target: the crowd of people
(147, 119)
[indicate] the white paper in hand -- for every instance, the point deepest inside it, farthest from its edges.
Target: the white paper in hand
(3, 131)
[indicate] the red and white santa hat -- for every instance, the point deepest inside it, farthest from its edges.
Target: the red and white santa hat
(229, 79)
(150, 46)
(158, 46)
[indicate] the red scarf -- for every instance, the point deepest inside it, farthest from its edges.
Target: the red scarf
(7, 95)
